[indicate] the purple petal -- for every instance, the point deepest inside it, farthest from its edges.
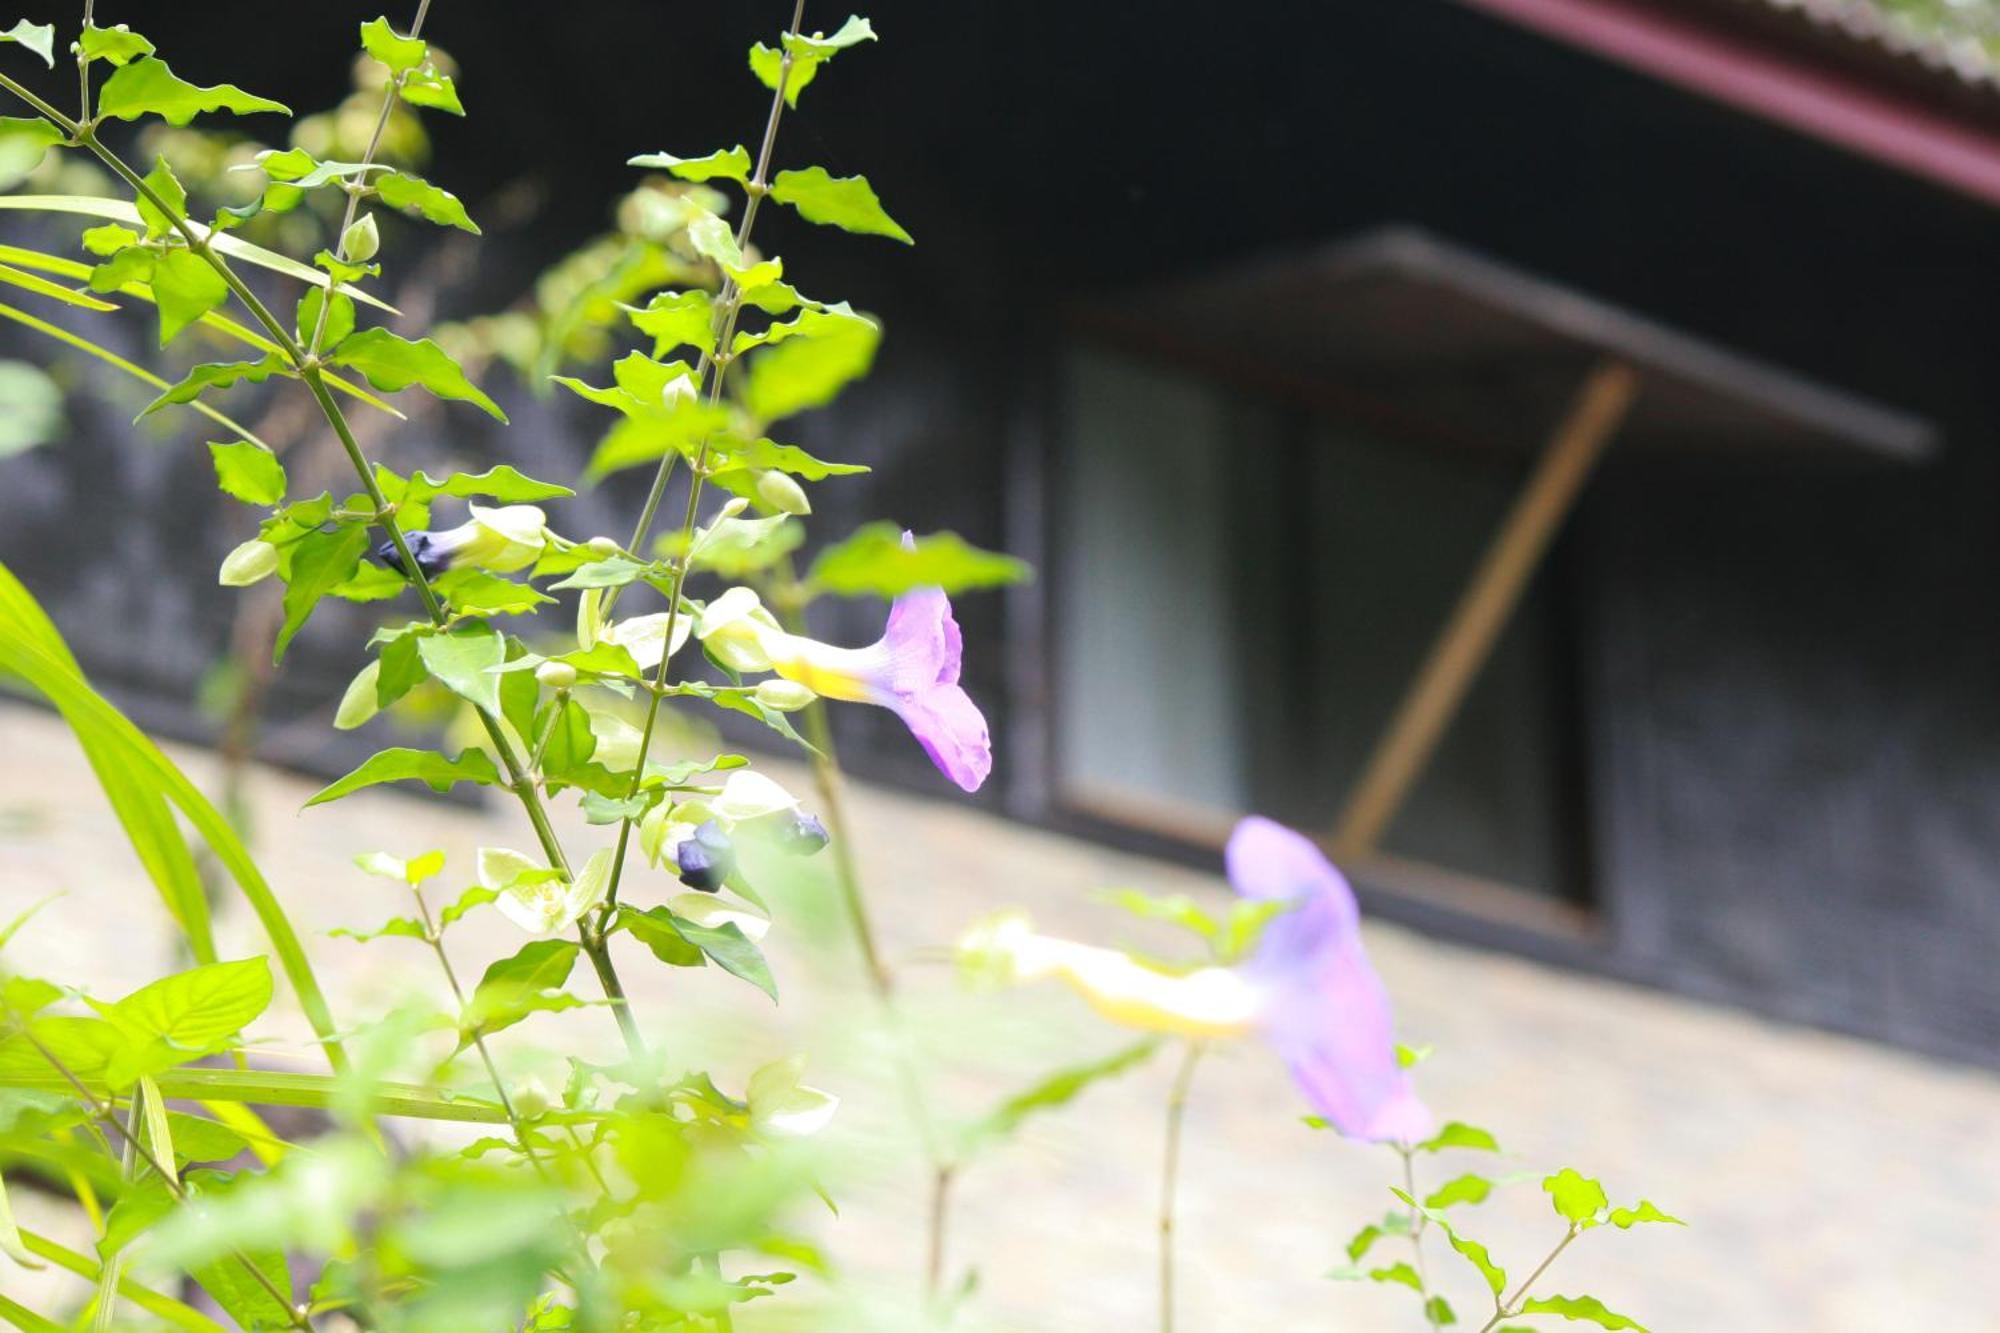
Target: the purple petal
(1329, 1018)
(952, 731)
(921, 651)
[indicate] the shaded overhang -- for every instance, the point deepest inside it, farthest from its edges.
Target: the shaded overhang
(1426, 342)
(1906, 105)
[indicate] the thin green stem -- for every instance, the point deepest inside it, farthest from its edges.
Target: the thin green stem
(105, 1315)
(1417, 1223)
(1170, 1170)
(83, 62)
(1512, 1305)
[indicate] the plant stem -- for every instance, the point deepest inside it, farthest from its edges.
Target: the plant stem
(307, 366)
(941, 1179)
(715, 367)
(106, 1312)
(1512, 1306)
(1170, 1167)
(1417, 1224)
(83, 63)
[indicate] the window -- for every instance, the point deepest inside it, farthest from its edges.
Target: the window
(1245, 591)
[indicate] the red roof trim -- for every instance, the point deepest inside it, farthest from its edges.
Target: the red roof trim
(1899, 131)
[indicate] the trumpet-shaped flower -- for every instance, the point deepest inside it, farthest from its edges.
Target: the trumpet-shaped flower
(500, 541)
(912, 670)
(1309, 989)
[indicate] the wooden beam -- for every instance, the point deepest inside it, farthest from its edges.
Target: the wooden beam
(1484, 608)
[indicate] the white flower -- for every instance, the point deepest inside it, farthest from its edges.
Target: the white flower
(538, 899)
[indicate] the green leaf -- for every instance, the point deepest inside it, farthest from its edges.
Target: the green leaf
(677, 319)
(1057, 1090)
(399, 189)
(761, 454)
(215, 375)
(1458, 1134)
(1467, 1188)
(874, 562)
(1584, 1309)
(1438, 1310)
(515, 987)
(1472, 1250)
(320, 562)
(426, 766)
(148, 87)
(391, 363)
(398, 52)
(427, 87)
(248, 472)
(259, 1087)
(1400, 1273)
(119, 44)
(808, 54)
(183, 1017)
(1575, 1196)
(847, 202)
(463, 660)
(339, 319)
(804, 373)
(474, 592)
(185, 288)
(162, 182)
(729, 949)
(476, 896)
(1627, 1218)
(37, 37)
(24, 142)
(396, 926)
(141, 783)
(732, 164)
(658, 929)
(1175, 909)
(10, 1235)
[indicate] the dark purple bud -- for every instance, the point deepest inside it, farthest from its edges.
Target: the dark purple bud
(430, 555)
(707, 858)
(803, 835)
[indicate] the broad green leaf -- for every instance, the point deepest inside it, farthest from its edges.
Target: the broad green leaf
(183, 1017)
(248, 472)
(731, 164)
(1627, 1218)
(24, 142)
(474, 592)
(427, 87)
(339, 319)
(1438, 1310)
(320, 562)
(1583, 1309)
(713, 238)
(399, 189)
(847, 202)
(242, 1297)
(515, 987)
(132, 265)
(148, 87)
(37, 37)
(658, 929)
(808, 54)
(804, 373)
(391, 363)
(729, 949)
(759, 454)
(1057, 1090)
(646, 439)
(463, 661)
(677, 319)
(1467, 1188)
(397, 926)
(476, 896)
(874, 561)
(119, 44)
(1575, 1196)
(399, 765)
(1472, 1250)
(185, 288)
(1458, 1134)
(398, 52)
(140, 781)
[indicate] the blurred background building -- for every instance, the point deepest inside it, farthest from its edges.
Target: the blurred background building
(1624, 362)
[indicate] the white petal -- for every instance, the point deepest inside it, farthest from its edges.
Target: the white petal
(705, 909)
(499, 867)
(747, 794)
(644, 636)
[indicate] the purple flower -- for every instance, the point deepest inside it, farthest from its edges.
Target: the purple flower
(912, 670)
(1327, 1014)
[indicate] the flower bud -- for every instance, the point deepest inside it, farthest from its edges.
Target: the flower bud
(556, 675)
(779, 491)
(531, 1098)
(803, 835)
(706, 859)
(681, 389)
(361, 240)
(601, 546)
(252, 562)
(784, 696)
(735, 505)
